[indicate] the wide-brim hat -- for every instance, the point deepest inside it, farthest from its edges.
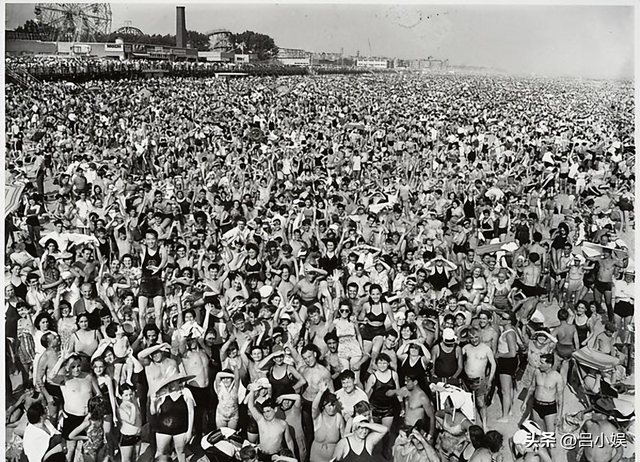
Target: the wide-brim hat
(225, 375)
(179, 377)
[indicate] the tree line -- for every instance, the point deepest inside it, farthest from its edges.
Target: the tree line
(263, 46)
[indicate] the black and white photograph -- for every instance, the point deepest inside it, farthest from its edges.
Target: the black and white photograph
(320, 232)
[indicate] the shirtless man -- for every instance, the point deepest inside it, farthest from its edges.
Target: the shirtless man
(196, 362)
(317, 376)
(309, 287)
(477, 357)
(530, 278)
(157, 365)
(417, 406)
(328, 424)
(547, 389)
(77, 388)
(568, 341)
(154, 259)
(274, 432)
(387, 346)
(488, 333)
(560, 271)
(605, 341)
(607, 264)
(318, 328)
(601, 430)
(46, 372)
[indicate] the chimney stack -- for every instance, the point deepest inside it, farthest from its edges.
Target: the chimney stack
(181, 28)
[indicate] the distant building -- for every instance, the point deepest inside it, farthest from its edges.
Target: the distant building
(374, 63)
(295, 61)
(215, 56)
(117, 50)
(288, 53)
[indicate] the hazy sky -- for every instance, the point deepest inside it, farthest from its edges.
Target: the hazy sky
(584, 41)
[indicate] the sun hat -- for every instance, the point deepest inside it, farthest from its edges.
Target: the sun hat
(179, 377)
(448, 335)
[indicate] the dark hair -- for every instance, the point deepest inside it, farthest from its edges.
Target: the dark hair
(383, 357)
(150, 328)
(534, 257)
(348, 374)
(486, 313)
(563, 314)
(111, 329)
(43, 315)
(361, 408)
(97, 407)
(493, 440)
(270, 403)
(152, 232)
(411, 377)
(331, 336)
(35, 412)
(125, 387)
(81, 315)
(476, 436)
(248, 453)
(311, 348)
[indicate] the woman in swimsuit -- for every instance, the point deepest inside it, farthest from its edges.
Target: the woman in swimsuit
(284, 380)
(328, 425)
(581, 321)
(92, 433)
(414, 359)
(373, 315)
(253, 265)
(172, 411)
(226, 387)
(106, 385)
(500, 287)
(66, 322)
(84, 341)
(358, 447)
(350, 350)
(382, 387)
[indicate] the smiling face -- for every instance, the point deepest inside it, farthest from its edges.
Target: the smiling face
(348, 384)
(268, 413)
(98, 368)
(83, 323)
(309, 358)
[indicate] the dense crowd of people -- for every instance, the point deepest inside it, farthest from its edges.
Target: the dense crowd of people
(337, 268)
(71, 67)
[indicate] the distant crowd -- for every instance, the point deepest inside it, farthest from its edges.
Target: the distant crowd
(337, 268)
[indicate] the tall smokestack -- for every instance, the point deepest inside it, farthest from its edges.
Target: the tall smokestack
(181, 28)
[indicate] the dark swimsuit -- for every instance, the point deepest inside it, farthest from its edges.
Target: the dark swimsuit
(583, 331)
(382, 405)
(544, 408)
(370, 332)
(281, 386)
(352, 456)
(172, 417)
(105, 396)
